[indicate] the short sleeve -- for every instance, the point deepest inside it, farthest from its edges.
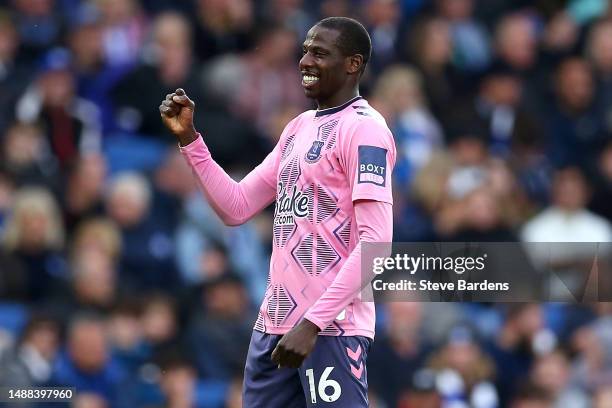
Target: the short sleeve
(368, 157)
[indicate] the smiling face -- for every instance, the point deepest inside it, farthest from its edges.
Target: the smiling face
(328, 76)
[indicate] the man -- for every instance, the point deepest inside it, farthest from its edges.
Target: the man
(330, 175)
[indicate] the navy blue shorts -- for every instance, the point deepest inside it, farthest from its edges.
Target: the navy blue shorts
(333, 375)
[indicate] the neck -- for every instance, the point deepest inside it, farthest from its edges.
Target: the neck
(338, 99)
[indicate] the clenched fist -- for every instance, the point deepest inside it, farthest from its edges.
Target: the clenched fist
(177, 114)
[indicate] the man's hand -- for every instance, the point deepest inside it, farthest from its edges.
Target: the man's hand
(296, 345)
(177, 114)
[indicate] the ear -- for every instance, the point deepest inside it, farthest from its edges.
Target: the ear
(354, 63)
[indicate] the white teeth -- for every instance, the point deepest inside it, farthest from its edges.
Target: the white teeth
(308, 79)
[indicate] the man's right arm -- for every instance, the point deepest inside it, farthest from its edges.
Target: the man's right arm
(234, 202)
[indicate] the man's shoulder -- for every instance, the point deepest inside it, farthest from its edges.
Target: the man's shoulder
(364, 122)
(362, 115)
(309, 114)
(299, 120)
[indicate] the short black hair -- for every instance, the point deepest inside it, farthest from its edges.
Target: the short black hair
(353, 38)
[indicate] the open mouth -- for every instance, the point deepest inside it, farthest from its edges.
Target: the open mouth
(309, 80)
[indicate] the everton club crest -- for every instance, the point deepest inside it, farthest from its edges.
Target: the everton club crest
(314, 153)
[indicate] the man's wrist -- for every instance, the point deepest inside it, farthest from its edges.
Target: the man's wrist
(310, 325)
(187, 137)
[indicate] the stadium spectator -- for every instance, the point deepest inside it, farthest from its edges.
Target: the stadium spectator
(178, 384)
(123, 30)
(39, 25)
(567, 219)
(168, 63)
(470, 39)
(399, 351)
(422, 393)
(34, 235)
(87, 362)
(94, 281)
(291, 14)
(516, 42)
(14, 74)
(599, 52)
(97, 235)
(25, 155)
(30, 363)
(222, 27)
(512, 349)
(429, 47)
(552, 372)
(71, 124)
(399, 95)
(159, 321)
(575, 127)
(480, 218)
(464, 371)
(382, 18)
(219, 333)
(126, 335)
(591, 341)
(498, 104)
(95, 76)
(83, 194)
(468, 199)
(147, 258)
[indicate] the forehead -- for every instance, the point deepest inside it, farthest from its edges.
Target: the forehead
(321, 37)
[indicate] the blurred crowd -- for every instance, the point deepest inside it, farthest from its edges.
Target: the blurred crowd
(118, 279)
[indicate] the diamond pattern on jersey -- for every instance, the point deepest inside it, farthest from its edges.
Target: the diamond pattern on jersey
(326, 256)
(315, 260)
(259, 323)
(332, 330)
(303, 253)
(287, 148)
(326, 129)
(343, 232)
(280, 305)
(290, 173)
(326, 205)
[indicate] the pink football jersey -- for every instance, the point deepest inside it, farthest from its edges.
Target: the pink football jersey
(324, 161)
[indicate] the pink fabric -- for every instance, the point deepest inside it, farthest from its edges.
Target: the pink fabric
(375, 224)
(234, 202)
(323, 166)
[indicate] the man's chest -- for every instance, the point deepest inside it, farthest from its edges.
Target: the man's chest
(311, 183)
(311, 155)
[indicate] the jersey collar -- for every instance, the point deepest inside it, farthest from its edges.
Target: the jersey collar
(335, 109)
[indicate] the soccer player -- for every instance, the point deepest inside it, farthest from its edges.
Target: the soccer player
(330, 175)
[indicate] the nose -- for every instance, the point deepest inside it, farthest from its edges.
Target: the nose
(306, 61)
